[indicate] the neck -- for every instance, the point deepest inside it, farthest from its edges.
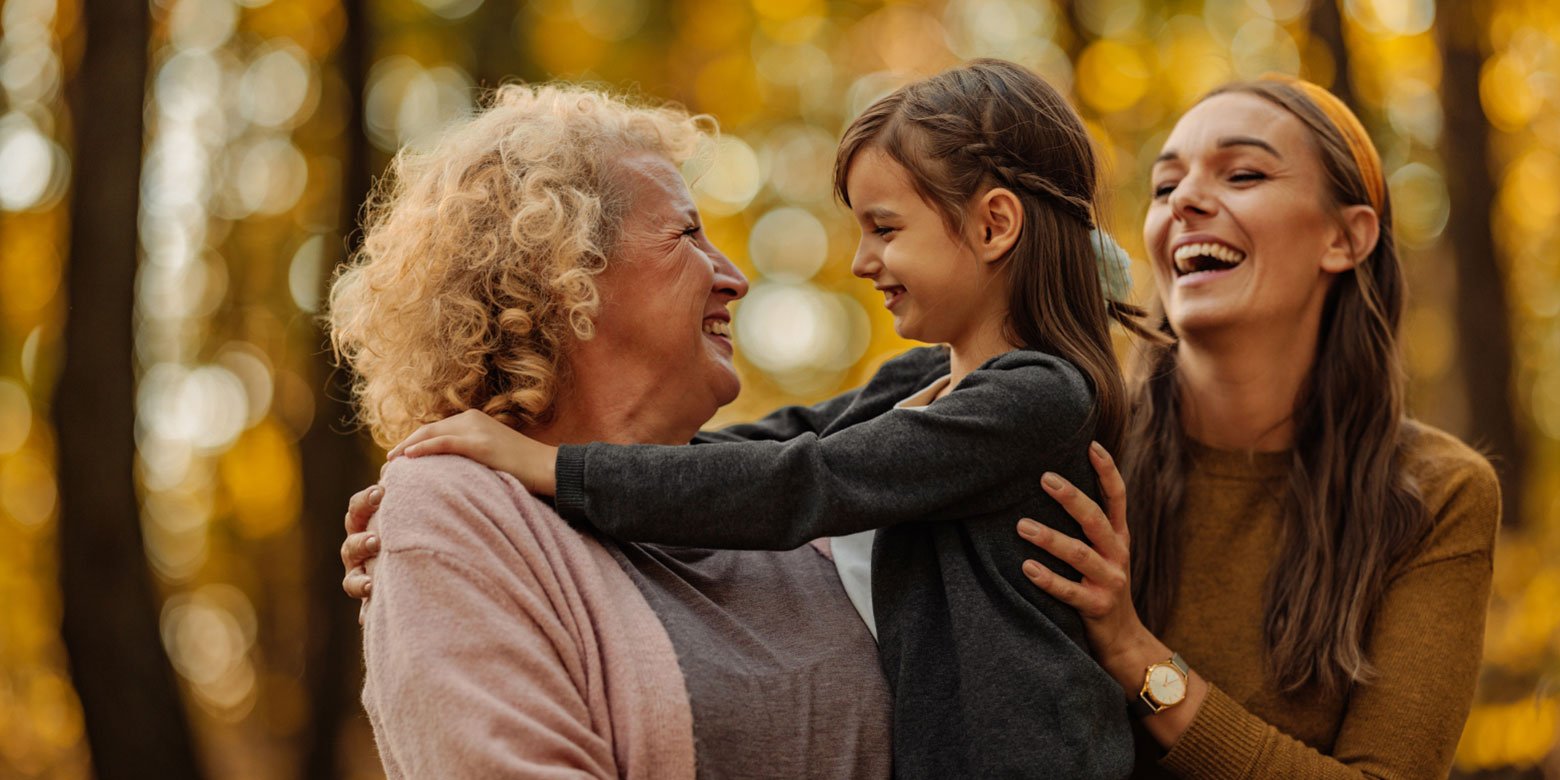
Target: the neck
(981, 344)
(598, 406)
(1239, 391)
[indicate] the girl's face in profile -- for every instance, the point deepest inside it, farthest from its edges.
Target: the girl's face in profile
(1241, 230)
(936, 288)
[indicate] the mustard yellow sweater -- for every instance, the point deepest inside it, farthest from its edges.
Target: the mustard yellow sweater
(1425, 638)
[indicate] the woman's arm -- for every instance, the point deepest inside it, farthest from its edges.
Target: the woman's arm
(1424, 643)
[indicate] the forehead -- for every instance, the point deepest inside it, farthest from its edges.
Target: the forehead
(655, 183)
(1237, 114)
(874, 175)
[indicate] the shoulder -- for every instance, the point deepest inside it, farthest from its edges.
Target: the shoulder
(1460, 489)
(449, 503)
(912, 364)
(1035, 378)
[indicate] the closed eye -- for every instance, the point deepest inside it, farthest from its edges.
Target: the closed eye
(883, 231)
(692, 231)
(1164, 190)
(1247, 176)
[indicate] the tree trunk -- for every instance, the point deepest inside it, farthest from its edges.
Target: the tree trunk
(334, 461)
(1327, 27)
(135, 719)
(1484, 339)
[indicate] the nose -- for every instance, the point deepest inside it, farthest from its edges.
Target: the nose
(729, 279)
(1190, 199)
(866, 263)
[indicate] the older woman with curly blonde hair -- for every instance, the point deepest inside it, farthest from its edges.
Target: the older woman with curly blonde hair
(543, 263)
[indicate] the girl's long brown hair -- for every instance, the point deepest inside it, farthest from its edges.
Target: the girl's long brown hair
(1350, 510)
(991, 123)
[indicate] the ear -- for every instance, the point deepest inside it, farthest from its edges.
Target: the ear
(1359, 228)
(998, 218)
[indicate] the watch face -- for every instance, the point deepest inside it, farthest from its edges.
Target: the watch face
(1166, 684)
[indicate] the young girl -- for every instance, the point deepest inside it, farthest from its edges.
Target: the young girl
(974, 190)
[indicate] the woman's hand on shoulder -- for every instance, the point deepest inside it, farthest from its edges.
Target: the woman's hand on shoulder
(493, 444)
(1104, 596)
(361, 546)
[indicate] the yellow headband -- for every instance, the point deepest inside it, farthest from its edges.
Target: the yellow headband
(1360, 147)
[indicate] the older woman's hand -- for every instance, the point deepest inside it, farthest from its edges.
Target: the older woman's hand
(489, 442)
(361, 546)
(1104, 597)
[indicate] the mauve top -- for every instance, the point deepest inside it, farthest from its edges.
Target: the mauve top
(782, 675)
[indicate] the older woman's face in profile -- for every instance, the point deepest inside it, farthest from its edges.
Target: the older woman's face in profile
(665, 294)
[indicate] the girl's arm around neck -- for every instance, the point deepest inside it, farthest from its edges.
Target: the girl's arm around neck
(970, 452)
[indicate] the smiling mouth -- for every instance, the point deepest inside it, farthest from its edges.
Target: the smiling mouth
(892, 295)
(1207, 257)
(715, 327)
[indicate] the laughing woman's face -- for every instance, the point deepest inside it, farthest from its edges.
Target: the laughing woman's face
(1242, 230)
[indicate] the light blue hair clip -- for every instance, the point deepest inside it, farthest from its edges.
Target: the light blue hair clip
(1115, 265)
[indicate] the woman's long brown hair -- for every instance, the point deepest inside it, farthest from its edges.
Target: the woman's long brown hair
(991, 123)
(1350, 510)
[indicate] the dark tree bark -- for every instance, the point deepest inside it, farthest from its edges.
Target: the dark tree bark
(1484, 339)
(135, 719)
(334, 460)
(1327, 26)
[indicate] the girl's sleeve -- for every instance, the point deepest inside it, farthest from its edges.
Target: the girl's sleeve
(785, 423)
(1425, 644)
(955, 458)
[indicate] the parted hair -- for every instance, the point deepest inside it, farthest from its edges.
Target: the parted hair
(1351, 512)
(480, 251)
(991, 123)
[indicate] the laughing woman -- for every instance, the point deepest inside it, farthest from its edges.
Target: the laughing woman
(1306, 587)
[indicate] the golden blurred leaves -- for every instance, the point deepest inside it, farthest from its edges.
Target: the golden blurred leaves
(260, 473)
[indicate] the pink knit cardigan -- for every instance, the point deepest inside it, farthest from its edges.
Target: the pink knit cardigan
(500, 642)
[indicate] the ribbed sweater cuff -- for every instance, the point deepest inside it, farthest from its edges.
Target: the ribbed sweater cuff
(569, 475)
(1223, 740)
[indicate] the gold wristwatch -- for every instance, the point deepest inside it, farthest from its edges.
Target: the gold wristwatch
(1164, 686)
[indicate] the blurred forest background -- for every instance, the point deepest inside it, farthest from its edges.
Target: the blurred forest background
(178, 179)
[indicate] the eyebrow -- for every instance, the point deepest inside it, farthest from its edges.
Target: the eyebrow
(1225, 143)
(878, 212)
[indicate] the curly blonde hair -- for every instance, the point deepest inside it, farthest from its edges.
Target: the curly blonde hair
(480, 252)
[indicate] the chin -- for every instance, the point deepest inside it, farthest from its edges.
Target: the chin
(1188, 320)
(725, 387)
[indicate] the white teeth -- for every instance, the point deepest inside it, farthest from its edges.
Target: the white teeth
(1218, 252)
(717, 328)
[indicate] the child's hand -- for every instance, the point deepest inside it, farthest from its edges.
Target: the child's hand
(489, 442)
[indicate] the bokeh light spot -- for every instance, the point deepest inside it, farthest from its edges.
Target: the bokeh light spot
(27, 488)
(733, 177)
(1111, 76)
(15, 416)
(788, 244)
(32, 167)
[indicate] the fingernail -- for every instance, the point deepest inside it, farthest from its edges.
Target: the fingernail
(368, 587)
(1052, 481)
(374, 494)
(1099, 452)
(1031, 568)
(373, 543)
(1029, 529)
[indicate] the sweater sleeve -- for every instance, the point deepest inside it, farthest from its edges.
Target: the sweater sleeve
(790, 422)
(785, 423)
(470, 670)
(1425, 643)
(957, 457)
